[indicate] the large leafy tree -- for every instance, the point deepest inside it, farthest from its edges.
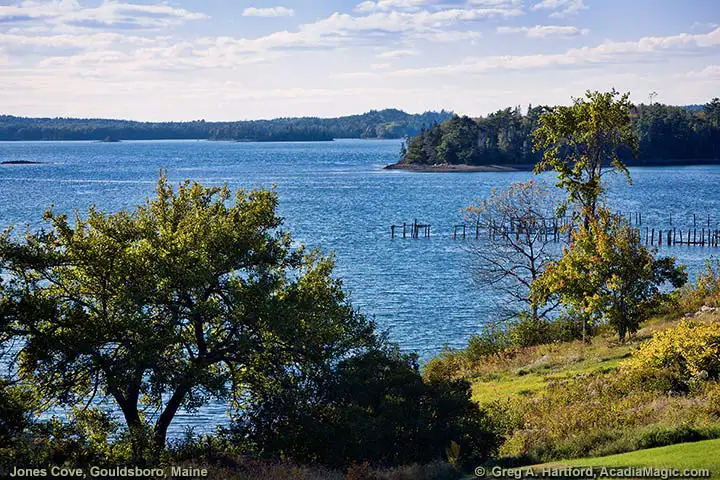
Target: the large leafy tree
(606, 274)
(195, 295)
(581, 142)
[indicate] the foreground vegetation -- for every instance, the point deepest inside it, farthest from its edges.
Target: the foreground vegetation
(564, 400)
(197, 296)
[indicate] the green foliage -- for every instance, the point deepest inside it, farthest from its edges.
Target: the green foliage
(578, 141)
(502, 137)
(665, 132)
(492, 339)
(608, 275)
(88, 438)
(526, 331)
(375, 408)
(17, 405)
(194, 296)
(500, 341)
(678, 133)
(705, 291)
(677, 358)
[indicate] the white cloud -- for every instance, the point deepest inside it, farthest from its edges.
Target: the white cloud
(397, 53)
(107, 14)
(543, 31)
(703, 26)
(268, 12)
(388, 5)
(448, 36)
(90, 41)
(709, 72)
(605, 52)
(340, 29)
(562, 7)
(494, 3)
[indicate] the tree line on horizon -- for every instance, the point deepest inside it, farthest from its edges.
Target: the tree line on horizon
(388, 123)
(504, 137)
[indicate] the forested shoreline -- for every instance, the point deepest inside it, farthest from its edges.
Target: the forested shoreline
(388, 123)
(665, 132)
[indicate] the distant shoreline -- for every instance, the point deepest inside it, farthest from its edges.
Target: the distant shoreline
(449, 168)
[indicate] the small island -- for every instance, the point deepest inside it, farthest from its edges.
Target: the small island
(20, 162)
(502, 141)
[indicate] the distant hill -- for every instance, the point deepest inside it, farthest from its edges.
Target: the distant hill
(389, 123)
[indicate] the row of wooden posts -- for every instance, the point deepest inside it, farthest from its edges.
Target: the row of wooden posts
(413, 229)
(700, 237)
(636, 219)
(558, 229)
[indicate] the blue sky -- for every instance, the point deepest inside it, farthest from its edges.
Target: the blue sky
(230, 60)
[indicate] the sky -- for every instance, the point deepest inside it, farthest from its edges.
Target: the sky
(250, 59)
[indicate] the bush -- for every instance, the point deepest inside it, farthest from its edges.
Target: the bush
(448, 365)
(705, 291)
(526, 331)
(492, 339)
(677, 358)
(500, 340)
(16, 406)
(375, 407)
(82, 441)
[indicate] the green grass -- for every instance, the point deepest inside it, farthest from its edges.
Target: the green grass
(534, 378)
(531, 369)
(681, 456)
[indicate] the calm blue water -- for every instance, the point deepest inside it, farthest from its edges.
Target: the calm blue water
(337, 197)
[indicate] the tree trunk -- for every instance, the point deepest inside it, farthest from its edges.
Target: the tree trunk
(585, 329)
(166, 417)
(138, 435)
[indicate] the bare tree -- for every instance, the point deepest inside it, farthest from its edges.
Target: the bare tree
(519, 237)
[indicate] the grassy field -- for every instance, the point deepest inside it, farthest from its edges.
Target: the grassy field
(530, 370)
(696, 455)
(568, 400)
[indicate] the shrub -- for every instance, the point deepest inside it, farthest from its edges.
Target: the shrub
(526, 331)
(492, 339)
(705, 291)
(15, 413)
(83, 440)
(676, 358)
(374, 407)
